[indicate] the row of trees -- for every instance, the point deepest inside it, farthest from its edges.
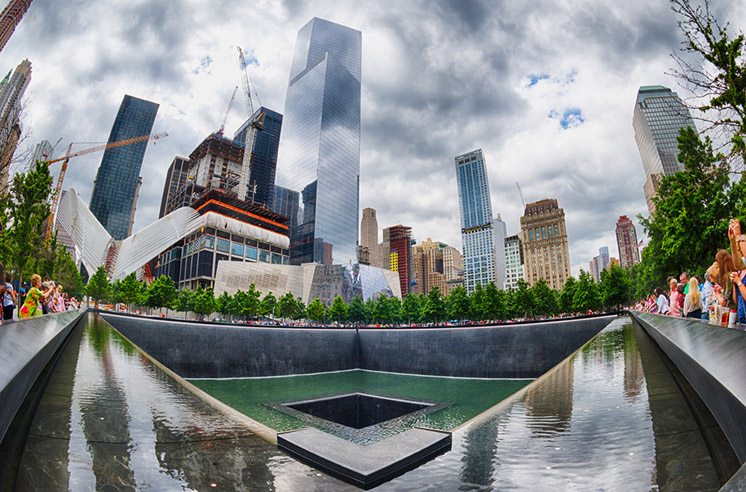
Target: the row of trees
(485, 303)
(24, 210)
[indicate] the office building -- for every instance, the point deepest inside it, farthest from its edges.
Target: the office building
(500, 235)
(513, 262)
(544, 241)
(594, 268)
(369, 238)
(658, 118)
(176, 180)
(626, 240)
(42, 152)
(10, 17)
(264, 154)
(287, 203)
(428, 267)
(398, 241)
(320, 148)
(453, 268)
(116, 185)
(477, 225)
(12, 88)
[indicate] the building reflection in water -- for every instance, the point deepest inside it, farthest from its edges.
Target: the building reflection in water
(549, 405)
(634, 376)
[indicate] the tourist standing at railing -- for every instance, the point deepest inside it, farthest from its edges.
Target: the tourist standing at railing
(674, 298)
(726, 266)
(34, 299)
(693, 301)
(707, 291)
(662, 304)
(9, 299)
(684, 280)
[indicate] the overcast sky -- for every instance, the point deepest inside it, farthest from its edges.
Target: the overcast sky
(545, 89)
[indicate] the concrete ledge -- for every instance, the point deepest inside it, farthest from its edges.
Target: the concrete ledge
(25, 349)
(713, 360)
(365, 466)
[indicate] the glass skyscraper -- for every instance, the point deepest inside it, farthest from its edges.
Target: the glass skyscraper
(658, 117)
(264, 160)
(477, 225)
(320, 147)
(118, 179)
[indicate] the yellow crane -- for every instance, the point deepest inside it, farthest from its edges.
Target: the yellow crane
(69, 154)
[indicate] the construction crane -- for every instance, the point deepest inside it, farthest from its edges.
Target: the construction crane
(256, 125)
(69, 154)
(521, 193)
(225, 118)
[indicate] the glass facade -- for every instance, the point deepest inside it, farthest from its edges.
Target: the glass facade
(477, 230)
(320, 148)
(176, 180)
(116, 185)
(264, 158)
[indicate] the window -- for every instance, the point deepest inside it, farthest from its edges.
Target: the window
(204, 268)
(237, 249)
(223, 245)
(264, 256)
(251, 253)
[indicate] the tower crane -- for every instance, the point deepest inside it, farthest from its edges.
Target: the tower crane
(520, 192)
(256, 125)
(69, 154)
(225, 117)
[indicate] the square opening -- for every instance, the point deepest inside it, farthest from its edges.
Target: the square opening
(357, 410)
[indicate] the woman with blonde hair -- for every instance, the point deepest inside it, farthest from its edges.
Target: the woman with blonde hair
(693, 300)
(34, 299)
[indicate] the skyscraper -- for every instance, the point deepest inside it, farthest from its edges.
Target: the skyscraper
(477, 227)
(399, 239)
(42, 151)
(626, 240)
(369, 237)
(658, 117)
(10, 17)
(428, 267)
(264, 155)
(513, 262)
(116, 184)
(544, 241)
(176, 180)
(320, 147)
(12, 88)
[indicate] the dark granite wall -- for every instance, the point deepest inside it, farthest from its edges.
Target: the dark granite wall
(196, 350)
(25, 349)
(712, 361)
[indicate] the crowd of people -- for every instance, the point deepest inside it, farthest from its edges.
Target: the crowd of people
(35, 299)
(718, 296)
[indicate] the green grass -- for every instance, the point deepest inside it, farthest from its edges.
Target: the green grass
(466, 397)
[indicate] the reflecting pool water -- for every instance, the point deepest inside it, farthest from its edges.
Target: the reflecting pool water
(613, 417)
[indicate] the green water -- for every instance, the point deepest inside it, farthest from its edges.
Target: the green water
(465, 398)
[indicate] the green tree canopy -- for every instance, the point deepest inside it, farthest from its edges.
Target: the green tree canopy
(162, 293)
(412, 308)
(357, 311)
(338, 310)
(204, 301)
(268, 304)
(568, 295)
(616, 288)
(98, 287)
(457, 304)
(523, 300)
(434, 308)
(586, 293)
(545, 299)
(316, 311)
(286, 306)
(130, 290)
(494, 303)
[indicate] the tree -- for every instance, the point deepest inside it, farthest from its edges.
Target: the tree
(616, 289)
(25, 211)
(184, 301)
(478, 304)
(411, 308)
(67, 273)
(98, 286)
(434, 309)
(357, 311)
(248, 303)
(204, 301)
(545, 299)
(392, 309)
(523, 300)
(338, 310)
(495, 303)
(457, 303)
(567, 295)
(268, 305)
(224, 304)
(130, 290)
(286, 306)
(162, 293)
(316, 311)
(586, 293)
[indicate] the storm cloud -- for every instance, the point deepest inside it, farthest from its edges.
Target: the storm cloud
(545, 89)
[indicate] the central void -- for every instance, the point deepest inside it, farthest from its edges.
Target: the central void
(357, 410)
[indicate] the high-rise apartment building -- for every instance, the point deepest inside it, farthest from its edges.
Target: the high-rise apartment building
(320, 147)
(264, 155)
(399, 241)
(176, 180)
(545, 245)
(513, 262)
(453, 267)
(477, 225)
(12, 88)
(594, 268)
(658, 117)
(626, 240)
(116, 185)
(10, 17)
(428, 268)
(42, 151)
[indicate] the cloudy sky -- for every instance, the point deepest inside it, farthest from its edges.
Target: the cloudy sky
(545, 89)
